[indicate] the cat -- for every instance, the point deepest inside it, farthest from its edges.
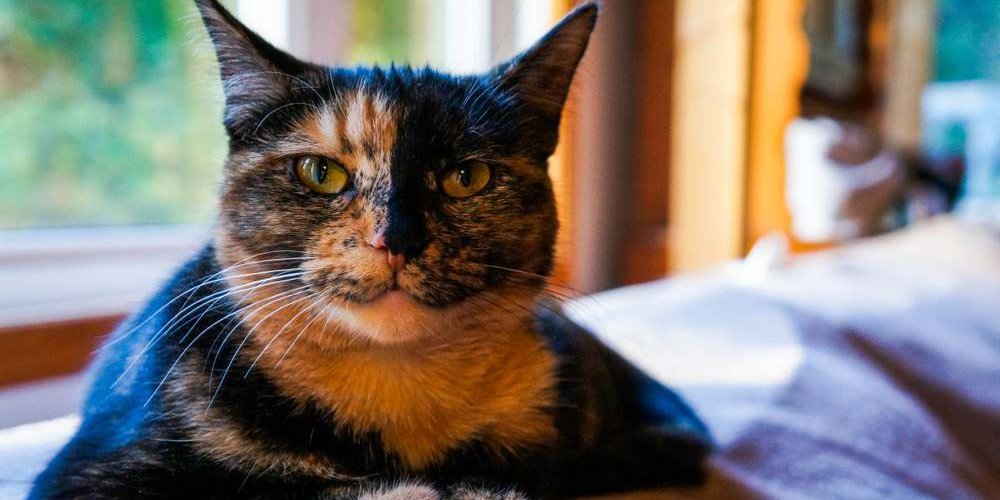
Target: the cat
(369, 320)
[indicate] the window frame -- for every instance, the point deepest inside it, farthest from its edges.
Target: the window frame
(50, 321)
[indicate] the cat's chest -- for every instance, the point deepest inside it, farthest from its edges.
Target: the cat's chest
(425, 403)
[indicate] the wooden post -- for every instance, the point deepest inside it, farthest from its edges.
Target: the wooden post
(779, 64)
(563, 181)
(911, 48)
(709, 125)
(644, 250)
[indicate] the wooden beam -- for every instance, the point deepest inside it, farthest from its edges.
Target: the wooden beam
(911, 44)
(46, 350)
(563, 180)
(779, 65)
(709, 125)
(603, 121)
(644, 250)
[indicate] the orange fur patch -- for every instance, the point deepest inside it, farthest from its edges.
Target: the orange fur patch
(490, 378)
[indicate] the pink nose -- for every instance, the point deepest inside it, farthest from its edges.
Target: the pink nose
(396, 260)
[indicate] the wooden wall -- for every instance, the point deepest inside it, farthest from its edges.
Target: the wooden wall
(673, 147)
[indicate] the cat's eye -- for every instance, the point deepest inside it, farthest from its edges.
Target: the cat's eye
(466, 179)
(321, 175)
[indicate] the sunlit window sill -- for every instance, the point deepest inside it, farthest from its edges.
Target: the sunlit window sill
(57, 275)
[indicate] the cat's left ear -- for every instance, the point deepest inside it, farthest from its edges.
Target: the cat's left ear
(541, 75)
(255, 74)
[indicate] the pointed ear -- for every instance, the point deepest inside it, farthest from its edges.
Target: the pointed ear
(255, 74)
(541, 75)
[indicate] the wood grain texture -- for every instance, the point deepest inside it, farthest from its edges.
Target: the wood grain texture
(644, 249)
(779, 64)
(709, 139)
(561, 172)
(50, 349)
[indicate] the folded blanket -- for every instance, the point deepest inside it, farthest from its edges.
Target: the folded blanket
(868, 372)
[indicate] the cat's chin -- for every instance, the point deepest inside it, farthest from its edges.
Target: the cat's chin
(391, 318)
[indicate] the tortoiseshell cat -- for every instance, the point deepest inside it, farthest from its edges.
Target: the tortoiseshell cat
(368, 321)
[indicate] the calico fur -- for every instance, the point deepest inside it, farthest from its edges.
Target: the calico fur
(289, 360)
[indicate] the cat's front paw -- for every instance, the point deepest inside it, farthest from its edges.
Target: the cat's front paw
(397, 491)
(402, 492)
(472, 493)
(420, 491)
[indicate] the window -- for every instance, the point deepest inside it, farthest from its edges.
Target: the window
(961, 105)
(108, 116)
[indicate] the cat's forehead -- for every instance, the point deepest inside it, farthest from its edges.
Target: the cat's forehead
(399, 115)
(359, 122)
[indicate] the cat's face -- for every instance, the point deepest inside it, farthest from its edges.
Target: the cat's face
(397, 198)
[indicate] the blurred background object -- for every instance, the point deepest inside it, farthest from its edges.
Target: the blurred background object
(962, 132)
(912, 87)
(106, 121)
(840, 181)
(694, 129)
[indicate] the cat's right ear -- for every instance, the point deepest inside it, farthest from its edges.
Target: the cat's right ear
(541, 75)
(255, 74)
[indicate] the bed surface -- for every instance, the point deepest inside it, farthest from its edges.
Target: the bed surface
(867, 372)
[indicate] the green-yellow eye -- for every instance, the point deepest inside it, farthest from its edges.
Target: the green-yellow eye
(321, 175)
(466, 180)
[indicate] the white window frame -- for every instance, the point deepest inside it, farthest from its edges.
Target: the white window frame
(52, 275)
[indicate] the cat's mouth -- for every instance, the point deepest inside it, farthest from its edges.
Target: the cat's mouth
(393, 296)
(390, 293)
(392, 289)
(369, 284)
(392, 315)
(398, 294)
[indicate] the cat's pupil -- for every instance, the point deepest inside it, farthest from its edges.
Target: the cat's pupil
(320, 172)
(465, 177)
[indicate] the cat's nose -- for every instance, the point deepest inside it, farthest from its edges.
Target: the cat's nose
(396, 260)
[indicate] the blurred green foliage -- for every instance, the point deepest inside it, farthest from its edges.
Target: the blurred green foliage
(111, 108)
(110, 113)
(381, 32)
(968, 40)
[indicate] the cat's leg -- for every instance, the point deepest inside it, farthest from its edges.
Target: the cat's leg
(660, 441)
(644, 457)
